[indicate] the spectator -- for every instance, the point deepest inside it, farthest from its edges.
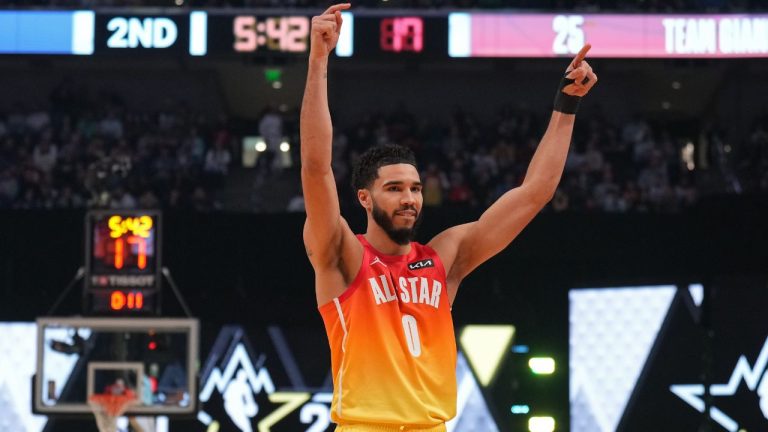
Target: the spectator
(17, 121)
(111, 126)
(122, 199)
(560, 201)
(654, 178)
(435, 184)
(45, 155)
(201, 201)
(340, 168)
(296, 204)
(9, 187)
(148, 200)
(271, 128)
(69, 198)
(459, 192)
(37, 120)
(607, 194)
(593, 158)
(217, 162)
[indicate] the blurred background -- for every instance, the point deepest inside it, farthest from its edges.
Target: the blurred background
(634, 302)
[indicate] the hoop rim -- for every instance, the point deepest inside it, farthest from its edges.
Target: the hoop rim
(110, 404)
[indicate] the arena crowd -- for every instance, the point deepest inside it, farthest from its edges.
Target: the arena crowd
(74, 155)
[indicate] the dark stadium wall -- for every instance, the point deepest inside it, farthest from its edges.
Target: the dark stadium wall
(483, 86)
(252, 268)
(706, 90)
(739, 100)
(136, 84)
(658, 89)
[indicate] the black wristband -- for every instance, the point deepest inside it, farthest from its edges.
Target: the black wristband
(566, 103)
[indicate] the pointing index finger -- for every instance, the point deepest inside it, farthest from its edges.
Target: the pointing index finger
(581, 55)
(337, 7)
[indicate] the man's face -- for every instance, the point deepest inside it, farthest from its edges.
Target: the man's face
(396, 201)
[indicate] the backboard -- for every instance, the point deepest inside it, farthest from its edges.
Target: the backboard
(156, 358)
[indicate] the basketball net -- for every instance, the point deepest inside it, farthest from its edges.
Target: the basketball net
(107, 408)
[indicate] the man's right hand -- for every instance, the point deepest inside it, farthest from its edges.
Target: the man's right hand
(325, 31)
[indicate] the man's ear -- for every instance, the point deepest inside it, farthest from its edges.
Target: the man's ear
(364, 196)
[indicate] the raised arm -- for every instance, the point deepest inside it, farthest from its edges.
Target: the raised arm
(323, 228)
(465, 247)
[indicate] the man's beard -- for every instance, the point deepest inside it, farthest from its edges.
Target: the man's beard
(401, 236)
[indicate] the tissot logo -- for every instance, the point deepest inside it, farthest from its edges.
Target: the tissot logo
(753, 376)
(421, 264)
(123, 280)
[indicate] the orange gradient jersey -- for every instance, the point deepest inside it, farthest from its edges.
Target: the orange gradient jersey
(393, 350)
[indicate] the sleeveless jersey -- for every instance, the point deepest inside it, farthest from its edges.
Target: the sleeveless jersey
(393, 349)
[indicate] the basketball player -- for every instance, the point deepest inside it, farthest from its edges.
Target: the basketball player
(385, 300)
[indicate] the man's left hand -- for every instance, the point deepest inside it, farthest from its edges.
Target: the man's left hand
(581, 72)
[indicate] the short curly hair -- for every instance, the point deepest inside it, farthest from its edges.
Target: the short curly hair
(366, 169)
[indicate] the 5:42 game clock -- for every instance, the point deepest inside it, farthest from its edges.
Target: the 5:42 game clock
(122, 261)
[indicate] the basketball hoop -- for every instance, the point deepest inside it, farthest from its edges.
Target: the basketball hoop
(108, 407)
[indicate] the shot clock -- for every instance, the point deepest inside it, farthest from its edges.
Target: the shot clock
(122, 261)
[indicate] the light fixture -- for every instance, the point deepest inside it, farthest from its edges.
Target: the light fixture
(542, 365)
(520, 409)
(541, 424)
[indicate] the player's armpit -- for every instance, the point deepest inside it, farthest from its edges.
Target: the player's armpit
(341, 248)
(322, 244)
(447, 244)
(473, 244)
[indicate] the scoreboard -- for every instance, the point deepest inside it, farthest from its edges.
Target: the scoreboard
(147, 34)
(122, 261)
(382, 34)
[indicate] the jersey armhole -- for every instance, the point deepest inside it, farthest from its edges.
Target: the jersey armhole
(439, 265)
(351, 287)
(438, 261)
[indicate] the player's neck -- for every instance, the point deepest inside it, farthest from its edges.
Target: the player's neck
(378, 238)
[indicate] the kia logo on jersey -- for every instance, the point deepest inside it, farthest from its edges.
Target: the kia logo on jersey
(421, 264)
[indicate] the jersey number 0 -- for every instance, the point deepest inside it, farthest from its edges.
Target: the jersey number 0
(411, 329)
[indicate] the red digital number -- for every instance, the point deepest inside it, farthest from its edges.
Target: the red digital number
(141, 257)
(135, 300)
(119, 254)
(118, 300)
(402, 34)
(142, 246)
